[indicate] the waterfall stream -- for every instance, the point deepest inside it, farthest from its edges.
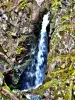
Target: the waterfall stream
(33, 76)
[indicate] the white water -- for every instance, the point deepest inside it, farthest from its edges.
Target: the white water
(33, 76)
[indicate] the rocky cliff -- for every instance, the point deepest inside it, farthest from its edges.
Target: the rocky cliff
(20, 24)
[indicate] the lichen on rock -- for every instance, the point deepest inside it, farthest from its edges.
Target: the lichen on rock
(61, 54)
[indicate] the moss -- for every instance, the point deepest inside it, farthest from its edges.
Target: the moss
(1, 75)
(56, 3)
(22, 38)
(23, 4)
(5, 97)
(19, 50)
(10, 5)
(65, 61)
(7, 5)
(73, 74)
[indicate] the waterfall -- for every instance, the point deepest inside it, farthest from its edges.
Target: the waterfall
(33, 76)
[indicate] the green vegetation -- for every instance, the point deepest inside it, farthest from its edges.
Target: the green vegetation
(23, 4)
(13, 4)
(63, 34)
(61, 58)
(19, 49)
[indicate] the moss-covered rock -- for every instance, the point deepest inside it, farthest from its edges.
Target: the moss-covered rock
(61, 55)
(18, 41)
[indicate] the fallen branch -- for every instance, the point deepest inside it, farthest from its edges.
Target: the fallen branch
(8, 94)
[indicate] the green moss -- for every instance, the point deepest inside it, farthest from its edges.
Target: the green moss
(22, 38)
(23, 4)
(73, 74)
(74, 87)
(19, 49)
(55, 42)
(6, 87)
(56, 3)
(9, 5)
(1, 75)
(5, 97)
(54, 81)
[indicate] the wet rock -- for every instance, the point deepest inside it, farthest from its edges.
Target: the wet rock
(47, 93)
(32, 97)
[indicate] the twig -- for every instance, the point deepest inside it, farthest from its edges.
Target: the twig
(8, 94)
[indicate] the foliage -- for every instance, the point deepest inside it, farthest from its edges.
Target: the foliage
(13, 4)
(23, 4)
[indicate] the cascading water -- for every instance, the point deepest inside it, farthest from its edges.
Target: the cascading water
(33, 76)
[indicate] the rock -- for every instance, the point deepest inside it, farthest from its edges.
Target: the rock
(4, 26)
(1, 81)
(13, 33)
(24, 30)
(47, 93)
(20, 14)
(35, 13)
(63, 66)
(74, 93)
(39, 2)
(4, 16)
(32, 97)
(60, 98)
(62, 44)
